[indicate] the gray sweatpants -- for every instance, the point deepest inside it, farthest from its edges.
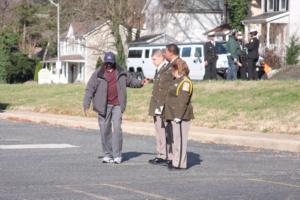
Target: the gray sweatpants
(111, 132)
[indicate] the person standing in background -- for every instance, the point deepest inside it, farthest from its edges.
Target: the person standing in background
(242, 58)
(233, 49)
(253, 55)
(210, 58)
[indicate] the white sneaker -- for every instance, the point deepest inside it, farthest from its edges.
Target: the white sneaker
(107, 160)
(117, 160)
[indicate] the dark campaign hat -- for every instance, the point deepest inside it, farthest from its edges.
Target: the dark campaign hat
(109, 57)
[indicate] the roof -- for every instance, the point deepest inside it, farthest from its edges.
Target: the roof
(66, 58)
(82, 28)
(147, 38)
(152, 39)
(265, 17)
(191, 6)
(219, 29)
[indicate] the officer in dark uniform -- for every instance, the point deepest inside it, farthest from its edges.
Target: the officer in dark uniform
(162, 81)
(242, 58)
(155, 108)
(210, 58)
(178, 113)
(252, 56)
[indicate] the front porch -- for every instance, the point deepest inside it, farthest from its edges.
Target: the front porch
(70, 70)
(273, 31)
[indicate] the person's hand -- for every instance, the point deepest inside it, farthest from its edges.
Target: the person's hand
(145, 81)
(85, 112)
(177, 120)
(205, 63)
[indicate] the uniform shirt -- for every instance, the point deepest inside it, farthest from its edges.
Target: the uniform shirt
(112, 91)
(210, 52)
(178, 101)
(252, 48)
(157, 94)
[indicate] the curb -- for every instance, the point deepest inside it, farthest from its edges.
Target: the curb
(278, 142)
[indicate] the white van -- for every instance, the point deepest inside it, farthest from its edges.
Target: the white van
(139, 59)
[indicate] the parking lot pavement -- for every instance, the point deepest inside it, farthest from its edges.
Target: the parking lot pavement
(60, 163)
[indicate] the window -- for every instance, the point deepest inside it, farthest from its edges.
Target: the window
(186, 52)
(198, 52)
(270, 5)
(135, 53)
(147, 53)
(283, 4)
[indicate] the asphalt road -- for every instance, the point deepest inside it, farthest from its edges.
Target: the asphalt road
(215, 171)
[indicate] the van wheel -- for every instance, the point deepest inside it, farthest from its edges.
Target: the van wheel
(139, 75)
(219, 77)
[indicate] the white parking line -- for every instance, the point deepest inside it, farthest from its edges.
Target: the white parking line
(36, 146)
(275, 183)
(156, 196)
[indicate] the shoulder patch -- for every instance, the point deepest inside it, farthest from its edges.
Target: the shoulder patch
(186, 87)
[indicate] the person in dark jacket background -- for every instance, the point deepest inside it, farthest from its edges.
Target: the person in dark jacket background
(233, 49)
(107, 89)
(242, 58)
(210, 58)
(252, 56)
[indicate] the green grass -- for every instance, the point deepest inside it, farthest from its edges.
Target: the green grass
(267, 106)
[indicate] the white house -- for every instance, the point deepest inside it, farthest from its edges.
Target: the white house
(184, 21)
(80, 47)
(276, 21)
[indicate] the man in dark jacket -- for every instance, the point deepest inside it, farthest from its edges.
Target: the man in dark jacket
(107, 89)
(210, 58)
(252, 56)
(233, 49)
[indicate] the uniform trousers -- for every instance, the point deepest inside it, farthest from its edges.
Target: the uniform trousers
(160, 136)
(179, 146)
(211, 71)
(111, 131)
(251, 66)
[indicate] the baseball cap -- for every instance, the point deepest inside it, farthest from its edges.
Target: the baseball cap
(109, 57)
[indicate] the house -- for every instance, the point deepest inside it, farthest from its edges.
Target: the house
(80, 47)
(184, 21)
(276, 21)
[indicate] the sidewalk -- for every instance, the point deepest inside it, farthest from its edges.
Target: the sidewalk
(279, 142)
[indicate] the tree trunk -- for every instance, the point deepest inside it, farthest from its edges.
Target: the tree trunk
(23, 47)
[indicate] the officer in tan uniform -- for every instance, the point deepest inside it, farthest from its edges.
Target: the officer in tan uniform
(178, 113)
(156, 106)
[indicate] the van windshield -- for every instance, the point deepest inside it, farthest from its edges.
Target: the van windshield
(221, 49)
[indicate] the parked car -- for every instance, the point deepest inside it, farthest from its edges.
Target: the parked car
(139, 59)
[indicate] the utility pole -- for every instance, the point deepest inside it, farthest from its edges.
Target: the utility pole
(225, 12)
(58, 62)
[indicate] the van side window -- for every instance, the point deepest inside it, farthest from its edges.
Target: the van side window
(198, 52)
(186, 52)
(135, 53)
(147, 53)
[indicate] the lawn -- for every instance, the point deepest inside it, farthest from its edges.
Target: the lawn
(267, 106)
